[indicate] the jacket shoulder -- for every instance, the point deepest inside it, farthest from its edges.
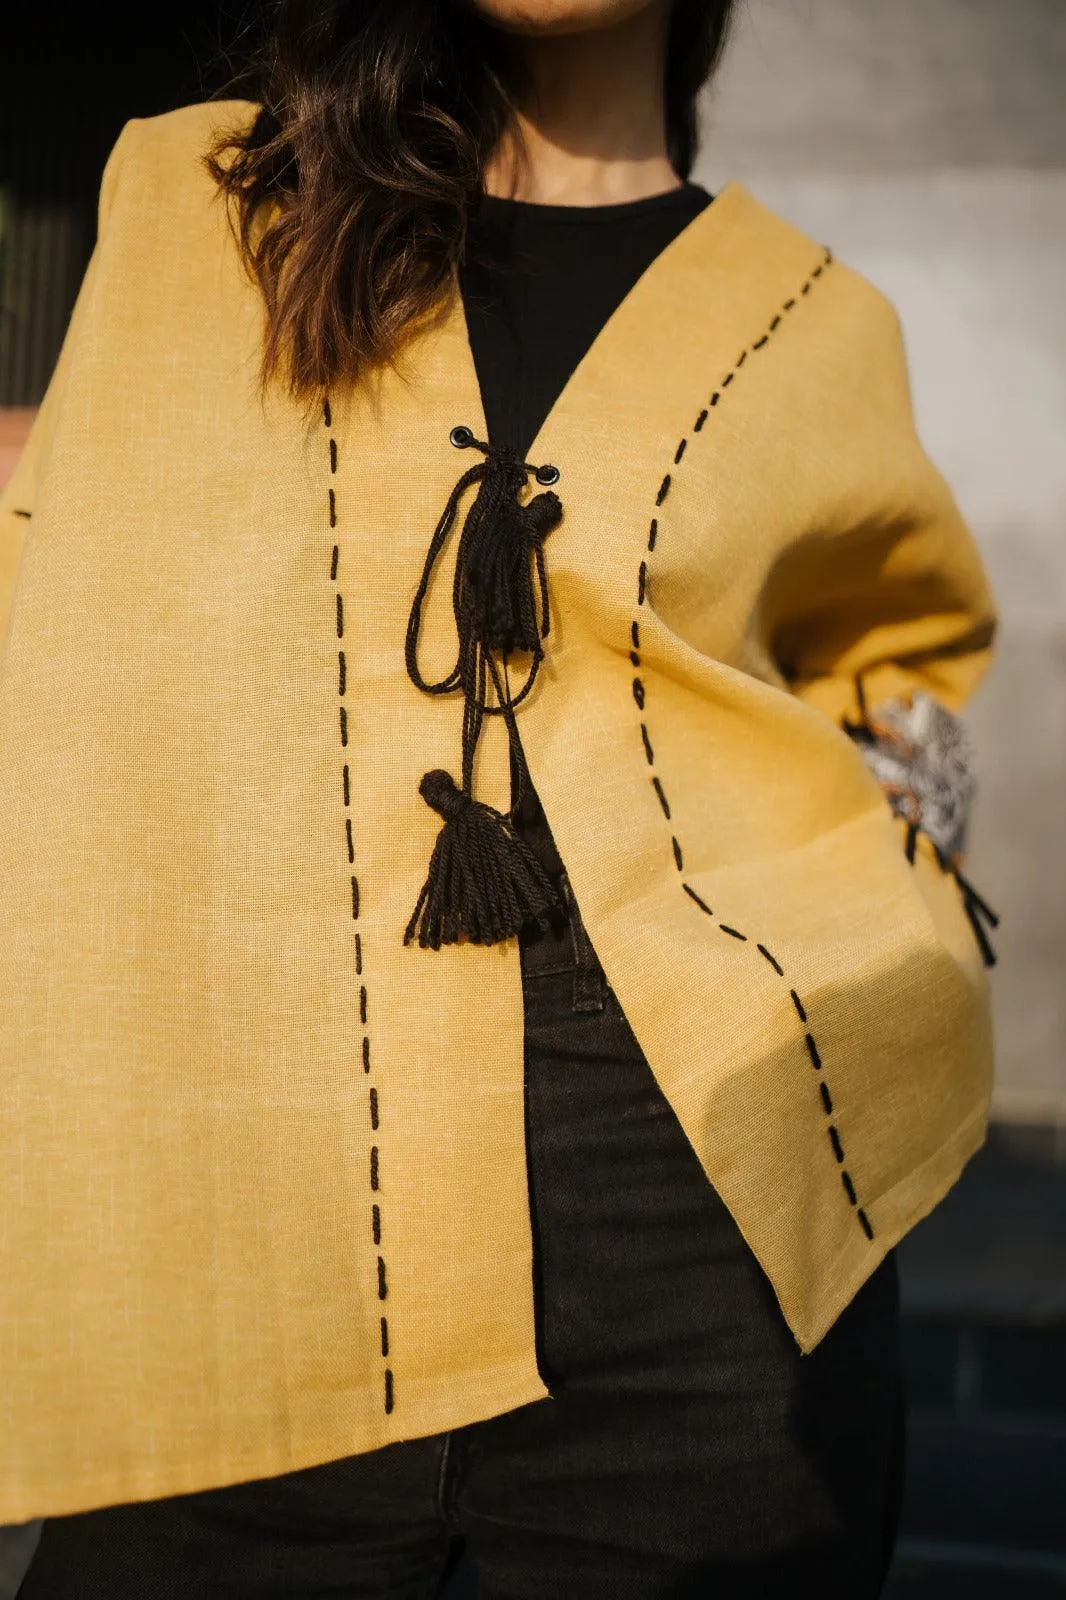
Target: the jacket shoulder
(842, 328)
(837, 291)
(162, 156)
(186, 130)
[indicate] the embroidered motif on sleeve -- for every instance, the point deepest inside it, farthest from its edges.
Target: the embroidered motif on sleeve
(922, 756)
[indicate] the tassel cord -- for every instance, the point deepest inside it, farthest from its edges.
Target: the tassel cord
(414, 622)
(493, 599)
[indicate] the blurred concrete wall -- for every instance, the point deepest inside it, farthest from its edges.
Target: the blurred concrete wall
(925, 141)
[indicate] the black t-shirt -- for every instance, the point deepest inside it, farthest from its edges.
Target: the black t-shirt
(539, 282)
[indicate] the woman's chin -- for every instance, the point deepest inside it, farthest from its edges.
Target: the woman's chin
(533, 17)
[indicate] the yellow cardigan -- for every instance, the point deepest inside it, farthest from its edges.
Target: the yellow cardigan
(263, 1198)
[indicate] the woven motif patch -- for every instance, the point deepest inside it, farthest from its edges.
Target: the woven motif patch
(923, 757)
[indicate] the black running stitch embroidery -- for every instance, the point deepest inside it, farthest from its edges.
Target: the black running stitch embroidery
(373, 1097)
(639, 696)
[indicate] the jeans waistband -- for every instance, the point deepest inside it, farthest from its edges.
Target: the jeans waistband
(565, 947)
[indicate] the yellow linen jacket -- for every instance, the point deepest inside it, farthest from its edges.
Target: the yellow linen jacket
(263, 1197)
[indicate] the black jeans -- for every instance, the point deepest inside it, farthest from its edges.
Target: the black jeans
(688, 1448)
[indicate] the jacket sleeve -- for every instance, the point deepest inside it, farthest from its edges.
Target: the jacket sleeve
(19, 495)
(893, 588)
(884, 619)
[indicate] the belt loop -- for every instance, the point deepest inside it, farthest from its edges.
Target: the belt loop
(590, 984)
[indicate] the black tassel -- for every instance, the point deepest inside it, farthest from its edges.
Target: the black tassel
(494, 587)
(484, 882)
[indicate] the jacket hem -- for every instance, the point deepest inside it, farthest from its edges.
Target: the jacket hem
(918, 1195)
(480, 1400)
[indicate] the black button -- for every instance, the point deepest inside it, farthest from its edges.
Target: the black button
(462, 437)
(547, 475)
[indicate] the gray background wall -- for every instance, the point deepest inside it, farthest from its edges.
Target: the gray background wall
(925, 141)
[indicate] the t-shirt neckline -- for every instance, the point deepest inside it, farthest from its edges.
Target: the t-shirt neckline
(498, 207)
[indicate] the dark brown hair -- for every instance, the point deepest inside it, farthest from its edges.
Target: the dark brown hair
(354, 181)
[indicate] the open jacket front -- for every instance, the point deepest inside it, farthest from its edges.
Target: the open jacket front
(263, 1195)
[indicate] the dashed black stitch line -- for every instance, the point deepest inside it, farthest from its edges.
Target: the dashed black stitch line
(639, 696)
(689, 890)
(634, 656)
(375, 1111)
(761, 948)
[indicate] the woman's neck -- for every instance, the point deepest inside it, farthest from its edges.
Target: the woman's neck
(591, 128)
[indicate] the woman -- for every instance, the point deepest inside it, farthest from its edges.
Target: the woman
(363, 1197)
